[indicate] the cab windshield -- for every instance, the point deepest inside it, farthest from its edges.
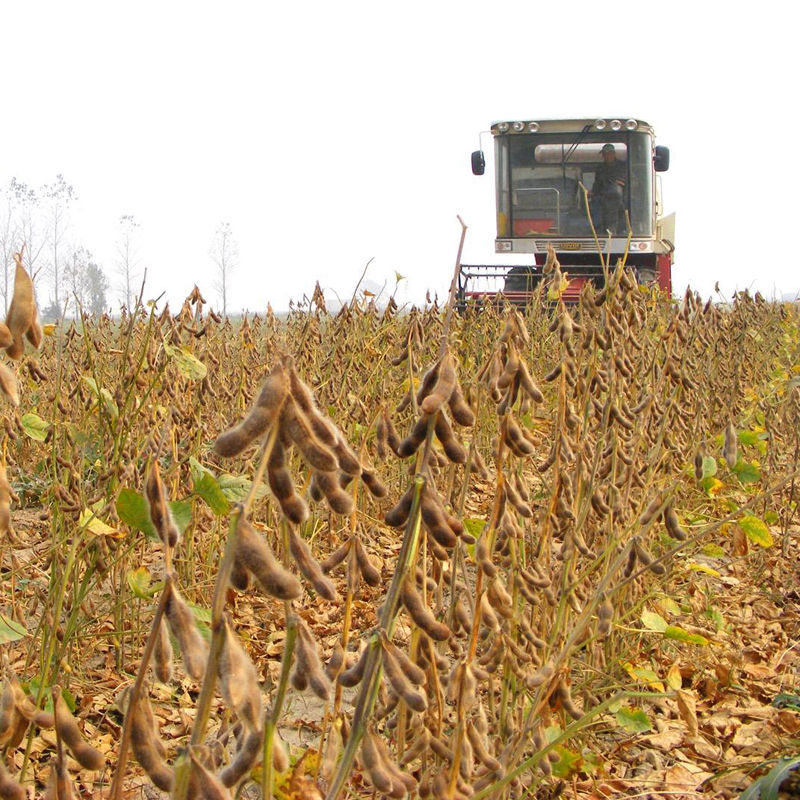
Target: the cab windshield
(540, 179)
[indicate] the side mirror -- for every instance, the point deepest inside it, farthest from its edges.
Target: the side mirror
(661, 158)
(478, 163)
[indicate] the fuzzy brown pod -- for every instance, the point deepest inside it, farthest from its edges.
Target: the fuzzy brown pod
(400, 682)
(67, 727)
(478, 465)
(698, 465)
(22, 311)
(460, 408)
(160, 513)
(296, 425)
(673, 525)
(402, 782)
(5, 501)
(9, 788)
(238, 680)
(605, 617)
(8, 710)
(379, 776)
(59, 786)
(353, 675)
(162, 654)
(392, 437)
(208, 785)
(308, 669)
(148, 750)
(336, 557)
(310, 567)
(253, 552)
(436, 520)
(416, 436)
(453, 449)
(264, 412)
(282, 486)
(339, 501)
(28, 710)
(181, 621)
(527, 384)
(370, 573)
(373, 483)
(9, 385)
(730, 446)
(516, 440)
(567, 703)
(652, 509)
(397, 516)
(421, 615)
(443, 387)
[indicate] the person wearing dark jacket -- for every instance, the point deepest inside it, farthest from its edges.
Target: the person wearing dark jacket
(608, 192)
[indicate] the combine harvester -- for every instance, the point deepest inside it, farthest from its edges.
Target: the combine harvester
(588, 189)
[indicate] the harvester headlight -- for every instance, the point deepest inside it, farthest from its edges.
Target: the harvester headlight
(600, 124)
(518, 127)
(615, 124)
(631, 124)
(502, 127)
(533, 127)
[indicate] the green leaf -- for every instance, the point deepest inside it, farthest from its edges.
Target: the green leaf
(10, 630)
(756, 530)
(749, 437)
(633, 720)
(102, 395)
(747, 471)
(181, 513)
(569, 762)
(713, 551)
(681, 635)
(139, 583)
(237, 487)
(207, 487)
(134, 510)
(709, 467)
(653, 621)
(188, 365)
(474, 527)
(34, 426)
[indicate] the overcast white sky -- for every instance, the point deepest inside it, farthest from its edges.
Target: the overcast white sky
(331, 133)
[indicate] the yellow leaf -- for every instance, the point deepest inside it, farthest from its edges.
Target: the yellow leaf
(95, 525)
(674, 678)
(49, 329)
(703, 568)
(643, 675)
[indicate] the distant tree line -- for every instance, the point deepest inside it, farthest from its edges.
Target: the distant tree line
(66, 275)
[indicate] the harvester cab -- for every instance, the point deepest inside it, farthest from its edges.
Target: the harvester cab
(588, 189)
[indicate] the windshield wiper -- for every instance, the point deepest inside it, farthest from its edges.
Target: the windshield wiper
(574, 145)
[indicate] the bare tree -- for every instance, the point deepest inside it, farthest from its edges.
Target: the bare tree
(9, 238)
(87, 282)
(128, 257)
(57, 196)
(224, 253)
(20, 224)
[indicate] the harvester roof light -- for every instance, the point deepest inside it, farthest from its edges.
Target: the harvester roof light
(533, 127)
(502, 127)
(615, 124)
(600, 124)
(518, 127)
(631, 124)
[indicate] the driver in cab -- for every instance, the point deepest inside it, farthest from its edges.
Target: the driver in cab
(608, 191)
